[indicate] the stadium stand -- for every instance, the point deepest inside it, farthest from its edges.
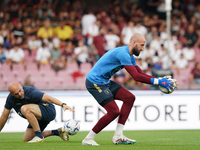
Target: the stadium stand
(60, 71)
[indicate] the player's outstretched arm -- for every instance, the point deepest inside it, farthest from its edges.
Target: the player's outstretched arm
(4, 117)
(47, 98)
(164, 82)
(141, 72)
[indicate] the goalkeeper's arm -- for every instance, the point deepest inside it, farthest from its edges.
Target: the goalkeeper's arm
(144, 78)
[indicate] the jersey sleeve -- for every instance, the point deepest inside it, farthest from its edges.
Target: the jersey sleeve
(8, 104)
(36, 95)
(124, 58)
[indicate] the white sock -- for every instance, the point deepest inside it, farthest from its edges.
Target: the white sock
(119, 128)
(91, 135)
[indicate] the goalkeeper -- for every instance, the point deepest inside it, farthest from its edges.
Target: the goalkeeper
(105, 91)
(37, 108)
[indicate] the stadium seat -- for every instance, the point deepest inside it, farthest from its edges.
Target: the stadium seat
(18, 67)
(32, 67)
(80, 84)
(68, 83)
(40, 83)
(9, 78)
(86, 67)
(72, 67)
(5, 67)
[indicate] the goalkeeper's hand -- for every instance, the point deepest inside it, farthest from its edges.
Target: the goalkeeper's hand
(175, 83)
(164, 82)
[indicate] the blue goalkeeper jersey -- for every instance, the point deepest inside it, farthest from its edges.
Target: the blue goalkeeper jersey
(109, 64)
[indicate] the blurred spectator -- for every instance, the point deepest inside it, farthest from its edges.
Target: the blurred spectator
(112, 40)
(99, 43)
(93, 30)
(166, 62)
(193, 21)
(190, 8)
(127, 32)
(5, 33)
(169, 45)
(139, 28)
(147, 52)
(177, 53)
(44, 10)
(63, 31)
(164, 55)
(158, 22)
(18, 34)
(182, 62)
(14, 8)
(61, 17)
(197, 14)
(155, 43)
(6, 18)
(56, 61)
(175, 25)
(152, 34)
(163, 51)
(142, 64)
(148, 22)
(177, 8)
(46, 31)
(3, 54)
(87, 20)
(72, 18)
(45, 16)
(195, 74)
(33, 43)
(16, 56)
(184, 22)
(156, 61)
(29, 7)
(190, 38)
(82, 54)
(43, 55)
(152, 5)
(189, 53)
(77, 27)
(161, 10)
(67, 54)
(28, 82)
(30, 27)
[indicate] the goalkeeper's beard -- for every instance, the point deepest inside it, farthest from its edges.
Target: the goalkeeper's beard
(135, 51)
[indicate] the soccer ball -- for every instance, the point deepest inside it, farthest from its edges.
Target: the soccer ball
(164, 90)
(71, 127)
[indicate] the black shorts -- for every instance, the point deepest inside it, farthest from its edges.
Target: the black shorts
(48, 114)
(103, 93)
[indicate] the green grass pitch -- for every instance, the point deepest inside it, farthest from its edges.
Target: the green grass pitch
(145, 140)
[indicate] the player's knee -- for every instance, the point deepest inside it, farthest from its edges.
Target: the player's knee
(25, 140)
(131, 98)
(115, 112)
(25, 109)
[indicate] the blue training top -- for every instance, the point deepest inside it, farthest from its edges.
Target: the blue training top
(31, 96)
(109, 64)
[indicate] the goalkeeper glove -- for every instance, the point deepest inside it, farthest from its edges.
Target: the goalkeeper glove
(164, 82)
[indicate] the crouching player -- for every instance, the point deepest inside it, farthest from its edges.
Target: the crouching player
(37, 108)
